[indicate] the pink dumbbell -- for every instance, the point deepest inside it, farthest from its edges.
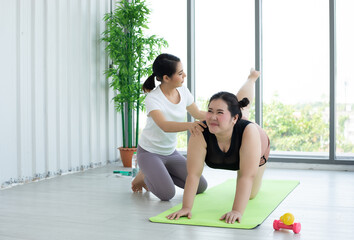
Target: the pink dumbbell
(296, 227)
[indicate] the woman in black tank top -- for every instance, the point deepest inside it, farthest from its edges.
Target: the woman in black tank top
(230, 142)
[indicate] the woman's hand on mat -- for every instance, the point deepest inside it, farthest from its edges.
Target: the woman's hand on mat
(196, 128)
(184, 212)
(231, 217)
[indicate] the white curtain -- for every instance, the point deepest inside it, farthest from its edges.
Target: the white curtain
(56, 110)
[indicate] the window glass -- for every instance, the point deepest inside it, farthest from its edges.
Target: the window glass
(296, 76)
(345, 80)
(168, 19)
(225, 46)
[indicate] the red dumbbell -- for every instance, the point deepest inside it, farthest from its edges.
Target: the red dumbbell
(296, 227)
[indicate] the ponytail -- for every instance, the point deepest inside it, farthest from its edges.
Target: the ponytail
(164, 64)
(244, 102)
(149, 84)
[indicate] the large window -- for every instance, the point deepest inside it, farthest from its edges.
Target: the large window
(297, 68)
(168, 19)
(345, 80)
(224, 45)
(296, 76)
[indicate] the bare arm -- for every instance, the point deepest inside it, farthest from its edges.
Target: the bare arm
(250, 154)
(195, 112)
(170, 126)
(195, 163)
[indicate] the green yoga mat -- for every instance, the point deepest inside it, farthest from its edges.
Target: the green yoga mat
(210, 206)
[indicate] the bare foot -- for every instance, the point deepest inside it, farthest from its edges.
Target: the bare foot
(254, 75)
(138, 183)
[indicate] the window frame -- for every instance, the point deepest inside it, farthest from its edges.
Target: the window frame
(332, 158)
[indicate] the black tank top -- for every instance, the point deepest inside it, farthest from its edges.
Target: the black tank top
(230, 160)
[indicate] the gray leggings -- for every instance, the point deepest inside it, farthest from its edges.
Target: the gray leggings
(162, 173)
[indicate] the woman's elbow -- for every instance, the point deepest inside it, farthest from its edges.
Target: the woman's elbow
(202, 116)
(164, 128)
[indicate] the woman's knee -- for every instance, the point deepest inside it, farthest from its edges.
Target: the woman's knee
(254, 194)
(166, 194)
(164, 190)
(203, 185)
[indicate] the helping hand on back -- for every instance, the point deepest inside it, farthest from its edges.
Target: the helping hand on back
(197, 128)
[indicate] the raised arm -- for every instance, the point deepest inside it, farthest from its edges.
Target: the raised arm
(250, 154)
(195, 163)
(170, 126)
(247, 91)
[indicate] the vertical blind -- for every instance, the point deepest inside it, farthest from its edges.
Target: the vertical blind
(56, 110)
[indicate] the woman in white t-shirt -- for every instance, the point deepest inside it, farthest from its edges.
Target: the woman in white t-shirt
(161, 166)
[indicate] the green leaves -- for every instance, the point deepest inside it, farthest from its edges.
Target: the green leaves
(129, 49)
(296, 127)
(131, 52)
(301, 127)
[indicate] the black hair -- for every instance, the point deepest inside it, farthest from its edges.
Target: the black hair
(164, 64)
(233, 105)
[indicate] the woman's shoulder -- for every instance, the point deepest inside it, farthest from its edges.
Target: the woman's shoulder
(183, 89)
(197, 140)
(250, 129)
(242, 124)
(245, 121)
(206, 132)
(155, 93)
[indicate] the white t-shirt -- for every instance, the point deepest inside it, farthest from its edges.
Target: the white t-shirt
(153, 138)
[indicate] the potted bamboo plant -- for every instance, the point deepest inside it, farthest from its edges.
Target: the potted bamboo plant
(131, 52)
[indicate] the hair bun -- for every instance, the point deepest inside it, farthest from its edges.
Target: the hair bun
(244, 102)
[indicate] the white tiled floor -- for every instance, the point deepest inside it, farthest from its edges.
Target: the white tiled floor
(96, 204)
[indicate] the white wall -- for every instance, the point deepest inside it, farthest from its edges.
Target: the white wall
(55, 102)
